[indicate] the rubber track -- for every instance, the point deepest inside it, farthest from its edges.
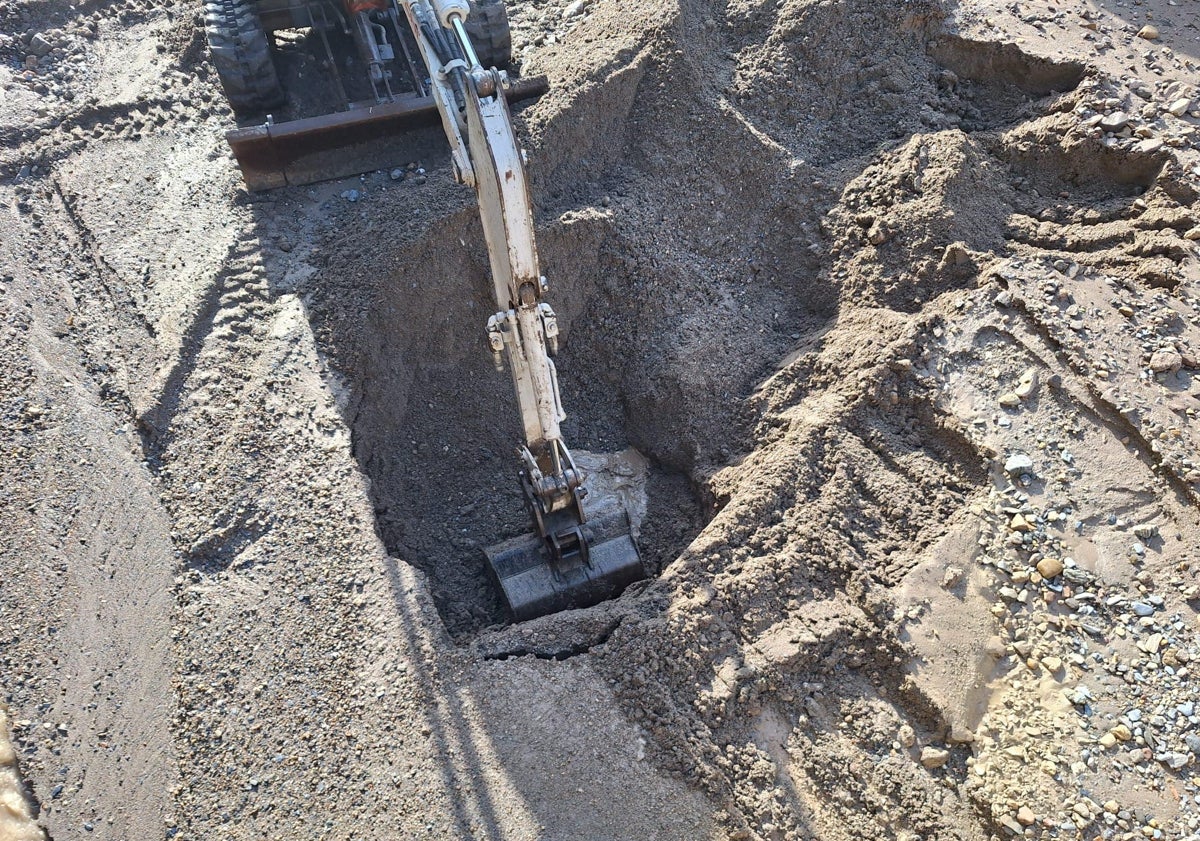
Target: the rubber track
(241, 55)
(487, 27)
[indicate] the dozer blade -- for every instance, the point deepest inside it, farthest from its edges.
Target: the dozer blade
(314, 149)
(533, 585)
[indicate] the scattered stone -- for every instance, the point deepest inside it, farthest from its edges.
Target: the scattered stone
(952, 576)
(1166, 361)
(1179, 107)
(1080, 696)
(39, 45)
(1146, 531)
(1052, 664)
(960, 735)
(1149, 32)
(1011, 825)
(1028, 385)
(1121, 733)
(1019, 523)
(1114, 122)
(397, 174)
(1175, 760)
(575, 9)
(1152, 644)
(932, 757)
(1009, 400)
(1050, 567)
(350, 195)
(1018, 464)
(906, 736)
(1142, 609)
(1025, 816)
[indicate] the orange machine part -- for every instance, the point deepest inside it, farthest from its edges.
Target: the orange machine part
(356, 6)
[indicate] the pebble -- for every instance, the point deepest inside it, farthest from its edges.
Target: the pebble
(1018, 463)
(1142, 609)
(1025, 816)
(1050, 567)
(932, 757)
(1149, 32)
(39, 45)
(1175, 760)
(351, 195)
(397, 174)
(1179, 107)
(1019, 523)
(1166, 361)
(1114, 122)
(1028, 385)
(1009, 400)
(575, 9)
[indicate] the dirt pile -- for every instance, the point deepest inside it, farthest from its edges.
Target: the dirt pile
(904, 317)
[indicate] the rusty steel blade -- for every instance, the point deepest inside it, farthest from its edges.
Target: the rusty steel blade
(344, 143)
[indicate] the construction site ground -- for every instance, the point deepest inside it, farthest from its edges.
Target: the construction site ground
(893, 306)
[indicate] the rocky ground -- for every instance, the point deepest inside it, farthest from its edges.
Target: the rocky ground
(900, 302)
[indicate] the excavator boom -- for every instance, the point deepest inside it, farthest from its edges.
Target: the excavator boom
(569, 560)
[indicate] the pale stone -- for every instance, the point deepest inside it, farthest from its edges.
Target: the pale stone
(1050, 567)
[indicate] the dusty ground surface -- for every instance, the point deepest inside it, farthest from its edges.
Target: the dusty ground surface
(901, 302)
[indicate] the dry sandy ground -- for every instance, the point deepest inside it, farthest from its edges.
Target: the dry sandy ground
(901, 302)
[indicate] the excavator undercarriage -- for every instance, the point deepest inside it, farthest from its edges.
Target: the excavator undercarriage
(423, 60)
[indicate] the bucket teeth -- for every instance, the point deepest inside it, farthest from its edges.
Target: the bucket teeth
(532, 585)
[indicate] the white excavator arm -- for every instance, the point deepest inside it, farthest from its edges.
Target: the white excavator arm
(570, 563)
(486, 157)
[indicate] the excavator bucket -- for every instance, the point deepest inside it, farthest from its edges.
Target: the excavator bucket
(534, 584)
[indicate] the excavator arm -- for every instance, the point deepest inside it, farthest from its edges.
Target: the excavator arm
(569, 561)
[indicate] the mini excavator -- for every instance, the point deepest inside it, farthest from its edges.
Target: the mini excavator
(570, 560)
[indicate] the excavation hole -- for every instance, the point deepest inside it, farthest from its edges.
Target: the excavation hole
(990, 85)
(657, 355)
(1005, 68)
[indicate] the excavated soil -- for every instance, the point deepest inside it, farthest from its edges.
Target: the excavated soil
(899, 302)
